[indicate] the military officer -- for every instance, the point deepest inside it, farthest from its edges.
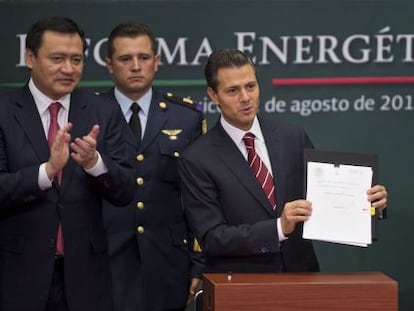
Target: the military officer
(155, 263)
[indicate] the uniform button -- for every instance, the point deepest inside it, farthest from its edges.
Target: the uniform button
(140, 157)
(140, 205)
(185, 241)
(176, 154)
(140, 229)
(140, 181)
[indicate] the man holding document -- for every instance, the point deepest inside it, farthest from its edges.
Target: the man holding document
(243, 181)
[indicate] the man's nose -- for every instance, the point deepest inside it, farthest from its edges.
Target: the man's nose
(68, 66)
(244, 95)
(135, 63)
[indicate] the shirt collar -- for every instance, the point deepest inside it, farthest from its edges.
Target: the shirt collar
(237, 134)
(42, 101)
(125, 102)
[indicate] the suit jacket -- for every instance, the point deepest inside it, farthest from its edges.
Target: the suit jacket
(29, 217)
(228, 210)
(149, 241)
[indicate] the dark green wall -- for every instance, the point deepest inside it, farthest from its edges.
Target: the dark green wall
(389, 132)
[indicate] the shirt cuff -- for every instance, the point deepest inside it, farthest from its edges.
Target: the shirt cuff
(99, 168)
(282, 237)
(43, 180)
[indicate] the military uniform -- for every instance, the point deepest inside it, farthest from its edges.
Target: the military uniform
(151, 248)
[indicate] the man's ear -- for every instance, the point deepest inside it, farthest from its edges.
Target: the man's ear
(29, 58)
(213, 95)
(157, 61)
(108, 63)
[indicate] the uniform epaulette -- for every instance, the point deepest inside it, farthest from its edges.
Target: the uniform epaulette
(184, 101)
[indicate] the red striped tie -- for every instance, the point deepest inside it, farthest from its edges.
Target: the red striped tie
(259, 169)
(51, 134)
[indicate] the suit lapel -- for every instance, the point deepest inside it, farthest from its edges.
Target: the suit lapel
(130, 137)
(77, 114)
(237, 164)
(26, 113)
(80, 120)
(274, 149)
(157, 117)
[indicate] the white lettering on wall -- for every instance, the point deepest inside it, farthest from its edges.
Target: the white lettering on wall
(381, 47)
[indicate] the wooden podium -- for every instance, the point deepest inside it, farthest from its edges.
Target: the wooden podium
(299, 292)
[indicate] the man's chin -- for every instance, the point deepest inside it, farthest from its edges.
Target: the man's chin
(137, 87)
(65, 89)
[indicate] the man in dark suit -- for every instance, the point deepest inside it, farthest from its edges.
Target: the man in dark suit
(154, 264)
(241, 226)
(53, 246)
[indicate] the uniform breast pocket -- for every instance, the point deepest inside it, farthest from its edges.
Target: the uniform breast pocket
(170, 150)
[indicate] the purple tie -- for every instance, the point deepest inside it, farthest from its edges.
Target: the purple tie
(259, 169)
(51, 134)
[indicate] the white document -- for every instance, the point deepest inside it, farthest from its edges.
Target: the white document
(340, 209)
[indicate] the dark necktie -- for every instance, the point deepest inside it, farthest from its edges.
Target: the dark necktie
(259, 169)
(51, 134)
(135, 123)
